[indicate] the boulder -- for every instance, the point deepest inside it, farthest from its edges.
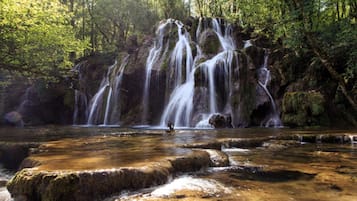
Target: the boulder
(209, 42)
(220, 121)
(12, 154)
(304, 109)
(14, 118)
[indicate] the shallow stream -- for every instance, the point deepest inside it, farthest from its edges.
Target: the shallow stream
(287, 164)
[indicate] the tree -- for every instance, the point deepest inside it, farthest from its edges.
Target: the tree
(115, 20)
(175, 9)
(37, 38)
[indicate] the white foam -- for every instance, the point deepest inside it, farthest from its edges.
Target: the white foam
(233, 149)
(193, 184)
(5, 195)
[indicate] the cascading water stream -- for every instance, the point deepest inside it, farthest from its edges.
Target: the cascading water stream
(96, 103)
(154, 55)
(107, 102)
(263, 81)
(81, 100)
(112, 115)
(180, 105)
(224, 61)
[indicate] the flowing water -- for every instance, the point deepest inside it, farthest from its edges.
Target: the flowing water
(180, 106)
(5, 175)
(104, 107)
(157, 51)
(286, 164)
(187, 103)
(263, 81)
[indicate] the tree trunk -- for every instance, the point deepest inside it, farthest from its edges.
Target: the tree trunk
(338, 11)
(329, 67)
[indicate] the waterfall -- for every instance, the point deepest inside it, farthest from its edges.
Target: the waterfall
(202, 77)
(223, 62)
(112, 111)
(96, 103)
(154, 55)
(263, 81)
(104, 107)
(81, 103)
(179, 108)
(81, 100)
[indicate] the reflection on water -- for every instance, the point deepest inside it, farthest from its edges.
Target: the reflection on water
(274, 170)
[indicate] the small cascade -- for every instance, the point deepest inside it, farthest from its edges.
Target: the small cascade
(263, 81)
(81, 100)
(247, 44)
(104, 107)
(96, 104)
(222, 61)
(179, 107)
(156, 52)
(112, 111)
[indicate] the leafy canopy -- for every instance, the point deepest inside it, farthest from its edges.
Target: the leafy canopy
(37, 38)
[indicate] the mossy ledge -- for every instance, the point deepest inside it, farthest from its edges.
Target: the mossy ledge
(33, 184)
(304, 109)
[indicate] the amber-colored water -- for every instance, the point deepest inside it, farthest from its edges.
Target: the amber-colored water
(274, 171)
(304, 172)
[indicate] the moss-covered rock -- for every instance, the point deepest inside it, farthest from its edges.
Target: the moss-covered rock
(209, 42)
(304, 109)
(37, 184)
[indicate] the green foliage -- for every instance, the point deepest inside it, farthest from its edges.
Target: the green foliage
(116, 20)
(175, 9)
(36, 38)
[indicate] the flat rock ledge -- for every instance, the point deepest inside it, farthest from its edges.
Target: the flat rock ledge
(246, 143)
(33, 184)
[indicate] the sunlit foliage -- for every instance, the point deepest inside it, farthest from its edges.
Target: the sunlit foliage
(37, 38)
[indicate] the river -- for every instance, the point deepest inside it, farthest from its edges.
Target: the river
(266, 164)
